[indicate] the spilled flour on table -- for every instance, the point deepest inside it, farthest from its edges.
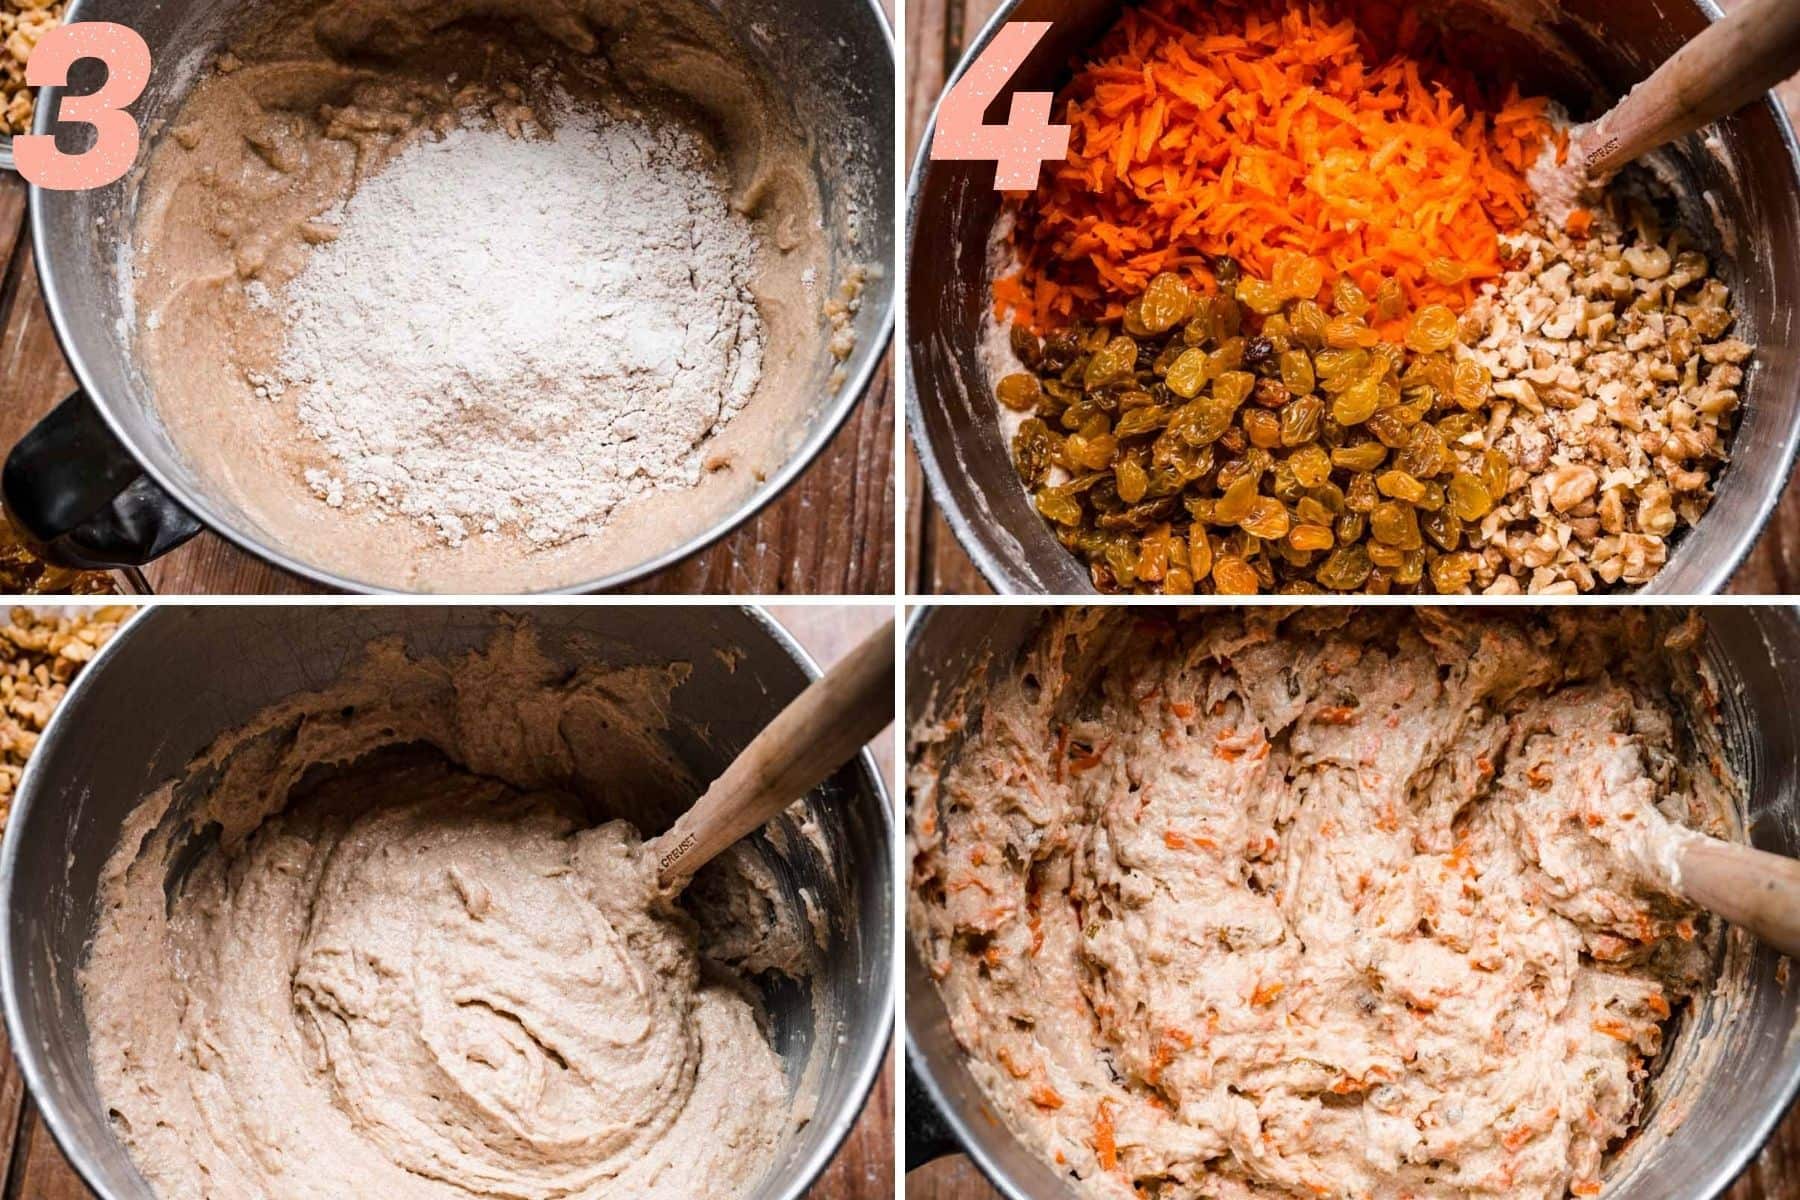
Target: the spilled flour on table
(517, 333)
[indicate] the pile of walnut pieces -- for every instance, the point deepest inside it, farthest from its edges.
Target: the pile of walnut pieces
(40, 655)
(1615, 382)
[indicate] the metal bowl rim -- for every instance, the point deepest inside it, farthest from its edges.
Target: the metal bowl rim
(830, 418)
(1000, 576)
(866, 1069)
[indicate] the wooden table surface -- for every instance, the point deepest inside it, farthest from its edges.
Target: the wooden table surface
(832, 532)
(936, 32)
(32, 1168)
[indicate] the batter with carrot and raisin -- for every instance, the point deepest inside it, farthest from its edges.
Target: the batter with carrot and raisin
(1330, 903)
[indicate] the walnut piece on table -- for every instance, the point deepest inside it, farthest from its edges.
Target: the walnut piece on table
(40, 654)
(22, 23)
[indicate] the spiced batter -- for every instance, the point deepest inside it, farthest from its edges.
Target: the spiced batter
(412, 964)
(314, 98)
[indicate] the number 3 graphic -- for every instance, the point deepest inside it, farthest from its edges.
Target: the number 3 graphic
(115, 147)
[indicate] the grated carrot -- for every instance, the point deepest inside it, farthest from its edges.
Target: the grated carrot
(1106, 1149)
(1252, 127)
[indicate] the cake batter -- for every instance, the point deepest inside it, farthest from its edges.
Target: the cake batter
(1337, 903)
(255, 177)
(411, 963)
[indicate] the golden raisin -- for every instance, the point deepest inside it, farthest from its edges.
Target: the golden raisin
(1233, 576)
(1301, 421)
(1233, 387)
(1166, 303)
(1311, 465)
(1396, 524)
(1262, 298)
(1389, 299)
(1433, 328)
(1200, 552)
(1059, 506)
(1470, 499)
(1235, 504)
(1019, 391)
(1267, 519)
(1263, 428)
(1446, 270)
(1188, 374)
(1470, 384)
(1114, 364)
(1453, 572)
(1348, 299)
(1310, 537)
(1358, 403)
(1496, 473)
(1400, 486)
(1131, 480)
(1343, 333)
(1344, 569)
(1424, 454)
(1363, 456)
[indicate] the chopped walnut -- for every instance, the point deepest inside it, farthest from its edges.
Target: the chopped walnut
(22, 23)
(1614, 390)
(40, 654)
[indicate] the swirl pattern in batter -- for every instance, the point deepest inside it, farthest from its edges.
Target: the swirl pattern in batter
(413, 965)
(1329, 904)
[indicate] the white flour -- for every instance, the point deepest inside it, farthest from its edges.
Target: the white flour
(515, 334)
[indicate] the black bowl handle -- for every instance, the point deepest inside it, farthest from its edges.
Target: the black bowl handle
(72, 488)
(928, 1136)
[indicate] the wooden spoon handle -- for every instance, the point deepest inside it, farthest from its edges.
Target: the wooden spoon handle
(1733, 62)
(1748, 887)
(813, 736)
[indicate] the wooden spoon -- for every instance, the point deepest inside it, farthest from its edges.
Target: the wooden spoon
(820, 730)
(1729, 65)
(1750, 888)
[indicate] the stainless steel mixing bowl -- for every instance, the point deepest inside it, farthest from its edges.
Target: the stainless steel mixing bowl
(176, 677)
(1592, 49)
(1734, 1065)
(101, 482)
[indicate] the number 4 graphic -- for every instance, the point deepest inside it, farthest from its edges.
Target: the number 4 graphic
(127, 61)
(1028, 139)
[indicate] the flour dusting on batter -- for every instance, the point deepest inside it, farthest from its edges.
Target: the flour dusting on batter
(470, 295)
(1320, 904)
(526, 373)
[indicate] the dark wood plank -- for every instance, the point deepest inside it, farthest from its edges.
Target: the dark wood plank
(864, 1168)
(39, 1170)
(12, 1110)
(832, 533)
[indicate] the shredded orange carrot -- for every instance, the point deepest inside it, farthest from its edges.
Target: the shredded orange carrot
(1046, 1097)
(1266, 993)
(1105, 1148)
(1252, 127)
(1012, 1068)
